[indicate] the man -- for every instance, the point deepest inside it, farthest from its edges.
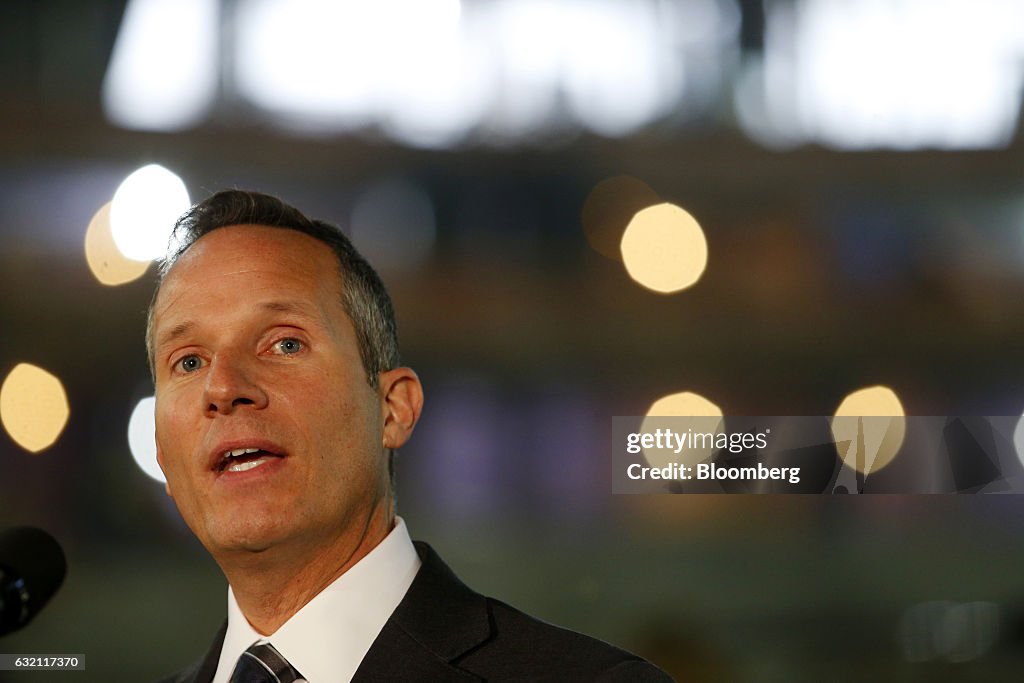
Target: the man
(280, 400)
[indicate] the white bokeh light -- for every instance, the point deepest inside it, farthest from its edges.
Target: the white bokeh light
(431, 73)
(144, 210)
(614, 91)
(1018, 439)
(614, 65)
(439, 81)
(142, 438)
(311, 62)
(163, 71)
(856, 74)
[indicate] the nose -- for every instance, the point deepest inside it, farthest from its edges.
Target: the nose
(230, 384)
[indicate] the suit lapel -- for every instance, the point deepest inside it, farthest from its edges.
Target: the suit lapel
(438, 621)
(207, 667)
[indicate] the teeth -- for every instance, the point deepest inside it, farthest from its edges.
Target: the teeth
(240, 451)
(243, 466)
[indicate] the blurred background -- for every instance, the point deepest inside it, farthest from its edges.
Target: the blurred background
(580, 208)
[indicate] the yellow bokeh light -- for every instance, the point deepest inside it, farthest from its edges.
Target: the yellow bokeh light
(33, 407)
(608, 209)
(689, 411)
(685, 403)
(869, 427)
(663, 248)
(107, 263)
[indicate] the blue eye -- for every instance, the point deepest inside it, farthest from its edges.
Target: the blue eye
(190, 363)
(289, 346)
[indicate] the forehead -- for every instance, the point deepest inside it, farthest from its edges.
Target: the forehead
(241, 262)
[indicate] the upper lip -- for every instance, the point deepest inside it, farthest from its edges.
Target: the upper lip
(217, 455)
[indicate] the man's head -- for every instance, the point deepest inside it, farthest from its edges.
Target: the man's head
(270, 334)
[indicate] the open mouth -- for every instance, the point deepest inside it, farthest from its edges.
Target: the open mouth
(243, 459)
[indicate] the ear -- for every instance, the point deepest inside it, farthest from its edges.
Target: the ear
(160, 461)
(401, 401)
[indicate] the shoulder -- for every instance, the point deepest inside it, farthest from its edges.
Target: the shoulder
(497, 642)
(523, 647)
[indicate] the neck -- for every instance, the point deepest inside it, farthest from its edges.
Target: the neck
(272, 585)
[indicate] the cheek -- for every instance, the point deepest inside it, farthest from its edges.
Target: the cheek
(173, 436)
(347, 434)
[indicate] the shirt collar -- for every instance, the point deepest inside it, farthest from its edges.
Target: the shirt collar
(328, 637)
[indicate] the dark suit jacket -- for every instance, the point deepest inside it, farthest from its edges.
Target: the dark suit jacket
(443, 631)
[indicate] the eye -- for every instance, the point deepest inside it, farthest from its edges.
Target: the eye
(288, 347)
(190, 363)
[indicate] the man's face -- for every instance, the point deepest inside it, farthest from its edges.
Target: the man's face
(253, 351)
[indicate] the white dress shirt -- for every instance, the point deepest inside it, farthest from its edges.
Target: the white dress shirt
(328, 638)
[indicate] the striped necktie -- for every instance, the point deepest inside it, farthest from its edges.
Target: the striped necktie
(261, 663)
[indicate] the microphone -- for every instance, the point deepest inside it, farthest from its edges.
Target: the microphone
(32, 567)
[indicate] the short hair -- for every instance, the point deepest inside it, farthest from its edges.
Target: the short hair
(363, 297)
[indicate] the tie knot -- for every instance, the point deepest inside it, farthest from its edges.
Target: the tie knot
(262, 663)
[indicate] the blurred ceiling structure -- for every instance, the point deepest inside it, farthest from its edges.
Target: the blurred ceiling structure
(828, 212)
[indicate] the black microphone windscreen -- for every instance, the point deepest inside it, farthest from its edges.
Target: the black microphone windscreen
(32, 568)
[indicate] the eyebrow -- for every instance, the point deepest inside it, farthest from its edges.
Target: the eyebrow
(175, 332)
(285, 307)
(183, 328)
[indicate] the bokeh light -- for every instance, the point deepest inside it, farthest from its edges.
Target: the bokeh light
(33, 407)
(163, 72)
(143, 212)
(142, 438)
(291, 57)
(663, 248)
(941, 75)
(612, 91)
(610, 207)
(107, 263)
(436, 78)
(869, 427)
(1018, 438)
(432, 72)
(419, 75)
(689, 411)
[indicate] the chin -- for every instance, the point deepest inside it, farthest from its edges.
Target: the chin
(248, 536)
